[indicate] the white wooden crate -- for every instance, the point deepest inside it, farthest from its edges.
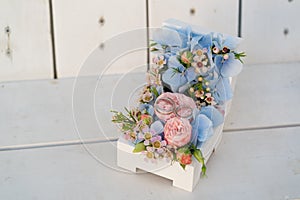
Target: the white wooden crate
(185, 179)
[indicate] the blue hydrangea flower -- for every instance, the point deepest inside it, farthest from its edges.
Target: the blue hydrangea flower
(226, 62)
(220, 41)
(222, 91)
(169, 40)
(177, 75)
(184, 31)
(213, 114)
(201, 42)
(228, 66)
(157, 127)
(165, 36)
(202, 129)
(146, 107)
(212, 77)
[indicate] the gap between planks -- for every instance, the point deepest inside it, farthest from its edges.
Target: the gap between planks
(261, 128)
(95, 140)
(55, 144)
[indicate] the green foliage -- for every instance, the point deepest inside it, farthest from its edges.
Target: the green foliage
(199, 157)
(188, 56)
(183, 166)
(175, 71)
(185, 150)
(239, 56)
(154, 91)
(127, 122)
(153, 44)
(139, 147)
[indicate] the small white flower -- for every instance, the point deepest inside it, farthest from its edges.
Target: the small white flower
(225, 56)
(147, 96)
(216, 50)
(159, 60)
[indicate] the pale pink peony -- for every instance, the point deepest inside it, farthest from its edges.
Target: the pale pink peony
(177, 132)
(177, 99)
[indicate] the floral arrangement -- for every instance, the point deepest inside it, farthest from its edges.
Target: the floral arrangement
(183, 100)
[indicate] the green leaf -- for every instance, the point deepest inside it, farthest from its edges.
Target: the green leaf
(183, 166)
(139, 147)
(189, 55)
(239, 56)
(199, 157)
(198, 86)
(127, 127)
(153, 44)
(154, 91)
(184, 149)
(154, 49)
(175, 71)
(130, 114)
(203, 171)
(119, 117)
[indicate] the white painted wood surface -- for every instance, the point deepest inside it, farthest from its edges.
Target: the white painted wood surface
(266, 95)
(29, 42)
(263, 26)
(48, 111)
(78, 32)
(249, 165)
(210, 14)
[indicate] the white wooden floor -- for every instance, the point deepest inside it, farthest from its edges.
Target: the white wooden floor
(41, 156)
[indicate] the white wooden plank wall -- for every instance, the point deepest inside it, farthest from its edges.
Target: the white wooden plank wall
(270, 30)
(221, 16)
(26, 53)
(80, 27)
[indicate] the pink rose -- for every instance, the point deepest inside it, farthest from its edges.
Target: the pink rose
(177, 132)
(166, 104)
